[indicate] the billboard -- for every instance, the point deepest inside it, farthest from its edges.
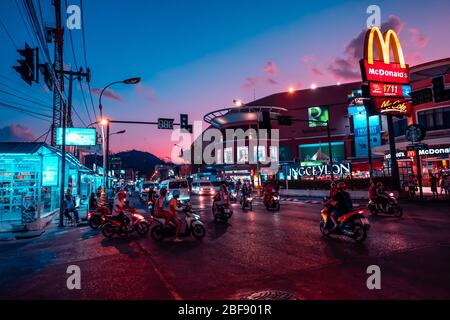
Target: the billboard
(359, 115)
(318, 114)
(390, 90)
(77, 136)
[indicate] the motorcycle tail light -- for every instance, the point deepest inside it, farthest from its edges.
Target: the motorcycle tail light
(361, 211)
(89, 215)
(391, 194)
(137, 216)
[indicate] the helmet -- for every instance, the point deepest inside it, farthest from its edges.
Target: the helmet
(163, 191)
(333, 184)
(380, 185)
(121, 195)
(341, 185)
(176, 193)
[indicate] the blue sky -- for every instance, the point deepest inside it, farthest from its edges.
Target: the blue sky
(197, 56)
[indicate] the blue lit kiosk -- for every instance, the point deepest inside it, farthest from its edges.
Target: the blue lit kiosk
(29, 184)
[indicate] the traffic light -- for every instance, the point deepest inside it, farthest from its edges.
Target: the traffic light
(45, 71)
(27, 66)
(284, 120)
(265, 123)
(184, 123)
(440, 94)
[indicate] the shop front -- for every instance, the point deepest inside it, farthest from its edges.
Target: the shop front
(30, 180)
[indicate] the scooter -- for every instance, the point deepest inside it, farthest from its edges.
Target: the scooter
(194, 226)
(353, 224)
(95, 219)
(247, 202)
(392, 207)
(223, 213)
(112, 226)
(233, 196)
(272, 201)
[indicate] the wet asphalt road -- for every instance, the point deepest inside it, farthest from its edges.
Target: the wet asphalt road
(256, 251)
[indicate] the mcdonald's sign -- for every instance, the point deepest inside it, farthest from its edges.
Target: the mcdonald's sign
(383, 69)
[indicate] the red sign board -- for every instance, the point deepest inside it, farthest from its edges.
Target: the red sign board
(395, 106)
(388, 89)
(382, 72)
(411, 154)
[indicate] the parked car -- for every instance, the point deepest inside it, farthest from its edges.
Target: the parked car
(203, 188)
(177, 184)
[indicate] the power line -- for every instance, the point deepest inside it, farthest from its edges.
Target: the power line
(28, 106)
(33, 114)
(85, 56)
(28, 100)
(25, 24)
(23, 93)
(44, 134)
(9, 35)
(76, 66)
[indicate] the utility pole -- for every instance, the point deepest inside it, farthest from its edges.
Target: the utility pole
(394, 165)
(58, 67)
(65, 122)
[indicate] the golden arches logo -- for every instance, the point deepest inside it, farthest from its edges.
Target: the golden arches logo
(383, 44)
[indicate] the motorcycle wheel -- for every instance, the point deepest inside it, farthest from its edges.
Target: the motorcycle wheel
(95, 223)
(198, 231)
(398, 212)
(142, 228)
(360, 233)
(108, 231)
(277, 206)
(157, 233)
(325, 232)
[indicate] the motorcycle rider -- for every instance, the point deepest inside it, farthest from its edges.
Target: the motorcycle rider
(269, 190)
(119, 209)
(381, 196)
(173, 204)
(222, 198)
(342, 203)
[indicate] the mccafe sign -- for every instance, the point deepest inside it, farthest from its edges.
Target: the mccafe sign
(319, 170)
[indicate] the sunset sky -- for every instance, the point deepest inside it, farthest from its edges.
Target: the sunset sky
(197, 56)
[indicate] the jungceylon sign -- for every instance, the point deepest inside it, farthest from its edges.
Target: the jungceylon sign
(319, 170)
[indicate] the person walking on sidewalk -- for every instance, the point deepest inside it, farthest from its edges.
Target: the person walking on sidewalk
(69, 207)
(434, 183)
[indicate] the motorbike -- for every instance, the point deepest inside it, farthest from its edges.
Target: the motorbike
(272, 201)
(112, 226)
(223, 213)
(247, 202)
(233, 196)
(95, 219)
(194, 226)
(392, 207)
(353, 225)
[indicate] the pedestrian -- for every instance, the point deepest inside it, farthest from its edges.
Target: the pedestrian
(70, 207)
(447, 186)
(442, 184)
(434, 183)
(412, 186)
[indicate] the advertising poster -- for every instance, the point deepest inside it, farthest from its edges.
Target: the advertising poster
(318, 114)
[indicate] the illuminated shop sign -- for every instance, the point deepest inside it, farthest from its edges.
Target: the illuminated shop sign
(390, 90)
(393, 106)
(383, 70)
(77, 136)
(316, 114)
(423, 152)
(320, 170)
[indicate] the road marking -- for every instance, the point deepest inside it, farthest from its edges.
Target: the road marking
(163, 279)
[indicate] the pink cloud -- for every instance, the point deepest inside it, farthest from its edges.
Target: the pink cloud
(271, 68)
(272, 81)
(16, 133)
(250, 82)
(418, 38)
(307, 59)
(316, 72)
(108, 93)
(347, 68)
(148, 93)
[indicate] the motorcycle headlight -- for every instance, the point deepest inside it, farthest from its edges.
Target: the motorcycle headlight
(196, 216)
(276, 198)
(250, 199)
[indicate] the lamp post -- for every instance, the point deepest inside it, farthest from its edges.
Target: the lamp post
(104, 122)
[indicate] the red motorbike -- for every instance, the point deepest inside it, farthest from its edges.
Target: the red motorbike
(354, 224)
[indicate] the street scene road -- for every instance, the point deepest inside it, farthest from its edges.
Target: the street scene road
(257, 252)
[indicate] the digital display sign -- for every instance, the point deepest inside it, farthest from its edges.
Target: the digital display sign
(50, 170)
(390, 90)
(77, 136)
(318, 116)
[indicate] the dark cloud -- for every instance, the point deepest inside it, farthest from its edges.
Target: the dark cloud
(250, 83)
(148, 93)
(16, 132)
(108, 93)
(272, 81)
(347, 68)
(316, 72)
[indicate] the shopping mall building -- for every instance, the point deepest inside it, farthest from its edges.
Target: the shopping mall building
(303, 149)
